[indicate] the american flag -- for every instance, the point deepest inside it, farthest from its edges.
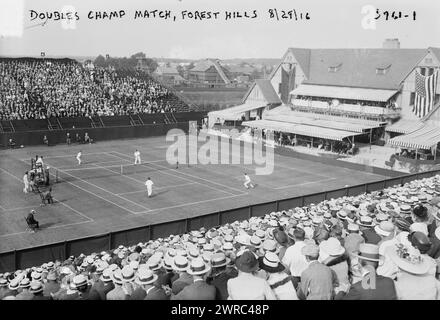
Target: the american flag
(425, 93)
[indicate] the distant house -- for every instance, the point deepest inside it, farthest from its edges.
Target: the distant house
(241, 74)
(168, 75)
(209, 72)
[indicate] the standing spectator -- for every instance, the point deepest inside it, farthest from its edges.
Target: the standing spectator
(51, 286)
(103, 286)
(36, 288)
(25, 294)
(317, 280)
(293, 258)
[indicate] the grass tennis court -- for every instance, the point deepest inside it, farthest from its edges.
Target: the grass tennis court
(99, 196)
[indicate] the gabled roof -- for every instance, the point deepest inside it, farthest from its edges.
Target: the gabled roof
(166, 70)
(436, 52)
(357, 67)
(204, 65)
(267, 91)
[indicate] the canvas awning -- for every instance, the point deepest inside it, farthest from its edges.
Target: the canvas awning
(348, 93)
(300, 129)
(234, 113)
(424, 138)
(405, 126)
(324, 123)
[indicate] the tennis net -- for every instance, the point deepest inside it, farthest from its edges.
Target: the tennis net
(94, 172)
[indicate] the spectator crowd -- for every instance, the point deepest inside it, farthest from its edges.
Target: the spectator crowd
(378, 245)
(40, 89)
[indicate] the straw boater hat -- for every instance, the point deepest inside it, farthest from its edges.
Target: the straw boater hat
(270, 262)
(385, 228)
(36, 287)
(369, 252)
(78, 281)
(405, 209)
(106, 275)
(408, 259)
(146, 276)
(117, 276)
(219, 259)
(198, 267)
(180, 263)
(365, 221)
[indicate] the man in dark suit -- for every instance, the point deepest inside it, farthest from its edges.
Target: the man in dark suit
(199, 289)
(101, 287)
(147, 290)
(220, 275)
(381, 289)
(31, 220)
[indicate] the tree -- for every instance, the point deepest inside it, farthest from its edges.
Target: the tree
(100, 61)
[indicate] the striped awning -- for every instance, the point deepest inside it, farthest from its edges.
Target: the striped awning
(424, 138)
(334, 92)
(301, 129)
(235, 113)
(324, 123)
(405, 126)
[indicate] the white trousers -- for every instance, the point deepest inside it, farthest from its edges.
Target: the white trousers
(137, 160)
(149, 191)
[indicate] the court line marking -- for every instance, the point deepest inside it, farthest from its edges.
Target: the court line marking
(93, 194)
(105, 190)
(54, 227)
(158, 188)
(304, 183)
(66, 205)
(182, 178)
(73, 155)
(19, 208)
(191, 203)
(196, 177)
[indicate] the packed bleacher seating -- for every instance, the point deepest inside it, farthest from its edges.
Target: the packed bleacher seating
(319, 251)
(40, 89)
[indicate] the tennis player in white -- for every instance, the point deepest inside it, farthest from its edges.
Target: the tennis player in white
(137, 157)
(247, 182)
(78, 157)
(149, 185)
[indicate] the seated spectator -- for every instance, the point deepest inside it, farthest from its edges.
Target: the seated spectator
(36, 288)
(46, 196)
(78, 138)
(31, 220)
(247, 286)
(87, 138)
(45, 140)
(199, 289)
(11, 143)
(317, 281)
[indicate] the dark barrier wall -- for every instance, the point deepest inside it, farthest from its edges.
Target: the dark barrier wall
(19, 259)
(31, 132)
(99, 134)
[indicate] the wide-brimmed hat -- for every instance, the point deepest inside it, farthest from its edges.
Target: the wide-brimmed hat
(117, 276)
(414, 263)
(255, 242)
(79, 281)
(198, 267)
(154, 263)
(246, 261)
(365, 221)
(219, 259)
(341, 215)
(106, 275)
(36, 287)
(405, 209)
(146, 276)
(180, 263)
(385, 228)
(270, 262)
(280, 236)
(14, 284)
(369, 251)
(25, 283)
(332, 246)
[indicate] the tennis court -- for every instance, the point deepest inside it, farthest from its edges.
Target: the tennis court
(107, 193)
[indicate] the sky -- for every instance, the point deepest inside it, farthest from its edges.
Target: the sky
(332, 24)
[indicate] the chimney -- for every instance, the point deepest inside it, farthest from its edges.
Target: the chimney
(391, 44)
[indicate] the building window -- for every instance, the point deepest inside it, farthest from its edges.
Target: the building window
(430, 71)
(381, 71)
(422, 71)
(412, 98)
(334, 68)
